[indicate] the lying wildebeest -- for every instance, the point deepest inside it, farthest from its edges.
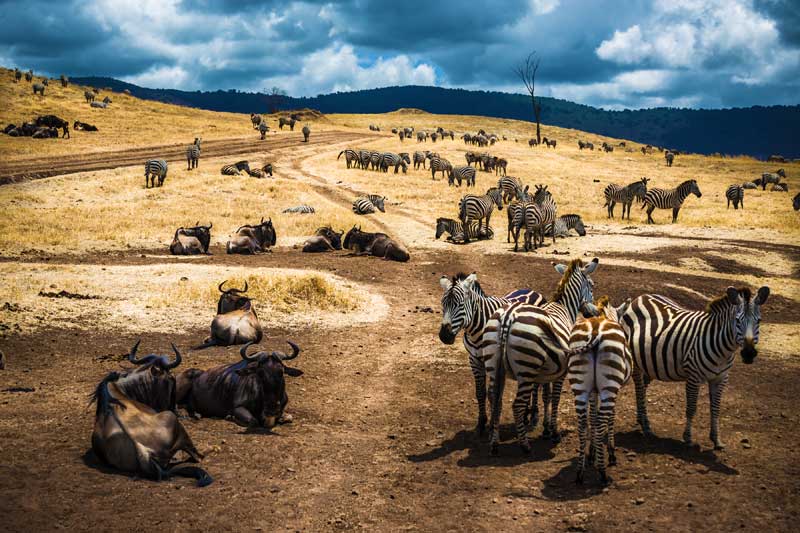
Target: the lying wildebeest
(236, 321)
(151, 382)
(251, 239)
(377, 244)
(251, 391)
(45, 133)
(89, 95)
(38, 88)
(53, 121)
(191, 241)
(132, 437)
(83, 126)
(324, 240)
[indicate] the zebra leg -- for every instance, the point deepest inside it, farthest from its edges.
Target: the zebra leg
(497, 383)
(640, 381)
(675, 214)
(520, 407)
(715, 391)
(546, 410)
(610, 205)
(593, 403)
(532, 416)
(605, 413)
(692, 387)
(581, 401)
(479, 373)
(612, 448)
(555, 436)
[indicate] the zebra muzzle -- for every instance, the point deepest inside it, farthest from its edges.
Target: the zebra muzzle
(446, 334)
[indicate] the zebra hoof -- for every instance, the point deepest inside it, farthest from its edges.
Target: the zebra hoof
(526, 448)
(612, 459)
(546, 433)
(605, 480)
(494, 449)
(579, 478)
(718, 444)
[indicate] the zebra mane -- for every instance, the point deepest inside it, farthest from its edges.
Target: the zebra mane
(562, 284)
(722, 303)
(461, 276)
(602, 302)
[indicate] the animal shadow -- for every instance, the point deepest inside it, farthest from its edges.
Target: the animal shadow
(653, 444)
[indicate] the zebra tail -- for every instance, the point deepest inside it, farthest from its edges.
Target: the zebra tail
(500, 369)
(589, 346)
(340, 155)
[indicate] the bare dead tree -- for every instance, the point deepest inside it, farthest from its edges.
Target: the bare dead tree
(275, 98)
(526, 71)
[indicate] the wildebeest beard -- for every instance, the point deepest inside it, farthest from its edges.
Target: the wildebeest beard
(201, 233)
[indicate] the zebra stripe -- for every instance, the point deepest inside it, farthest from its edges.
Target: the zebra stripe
(235, 169)
(439, 164)
(466, 307)
(735, 194)
(456, 230)
(669, 199)
(530, 342)
(461, 174)
(351, 157)
(366, 205)
(419, 159)
(671, 343)
(563, 224)
(302, 209)
(511, 187)
(155, 168)
(614, 194)
(193, 154)
(389, 159)
(472, 207)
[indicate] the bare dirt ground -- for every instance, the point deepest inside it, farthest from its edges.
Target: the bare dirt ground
(382, 437)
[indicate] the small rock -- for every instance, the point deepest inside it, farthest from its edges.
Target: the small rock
(292, 470)
(638, 501)
(274, 489)
(747, 446)
(494, 500)
(745, 440)
(354, 492)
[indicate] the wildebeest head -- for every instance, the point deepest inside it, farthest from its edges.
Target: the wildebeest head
(269, 369)
(353, 236)
(231, 299)
(333, 237)
(151, 382)
(265, 233)
(201, 233)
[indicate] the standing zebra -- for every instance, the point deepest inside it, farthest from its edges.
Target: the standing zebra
(671, 343)
(772, 177)
(473, 207)
(154, 168)
(598, 365)
(306, 133)
(389, 159)
(235, 169)
(669, 199)
(511, 187)
(461, 174)
(193, 154)
(439, 164)
(350, 157)
(735, 194)
(624, 195)
(366, 205)
(456, 230)
(530, 342)
(465, 306)
(419, 159)
(263, 129)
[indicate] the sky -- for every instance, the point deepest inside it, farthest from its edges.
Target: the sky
(621, 54)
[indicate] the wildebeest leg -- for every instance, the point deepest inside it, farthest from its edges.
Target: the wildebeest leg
(243, 417)
(650, 214)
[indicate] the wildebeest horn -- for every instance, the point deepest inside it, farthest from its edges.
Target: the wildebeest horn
(243, 352)
(295, 352)
(211, 225)
(196, 224)
(178, 357)
(221, 284)
(262, 220)
(132, 355)
(245, 287)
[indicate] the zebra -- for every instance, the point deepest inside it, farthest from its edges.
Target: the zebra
(283, 121)
(434, 136)
(511, 187)
(473, 207)
(235, 169)
(154, 168)
(302, 209)
(389, 159)
(351, 157)
(563, 224)
(366, 205)
(500, 164)
(375, 160)
(672, 343)
(547, 208)
(780, 187)
(669, 157)
(422, 136)
(471, 157)
(456, 230)
(466, 307)
(306, 133)
(38, 88)
(598, 365)
(29, 75)
(255, 119)
(530, 342)
(263, 129)
(439, 164)
(749, 185)
(672, 198)
(461, 174)
(419, 159)
(735, 194)
(772, 177)
(364, 157)
(89, 95)
(614, 193)
(193, 154)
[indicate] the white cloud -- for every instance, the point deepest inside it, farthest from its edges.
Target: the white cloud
(174, 77)
(542, 7)
(638, 88)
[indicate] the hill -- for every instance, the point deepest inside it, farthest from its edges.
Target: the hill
(757, 131)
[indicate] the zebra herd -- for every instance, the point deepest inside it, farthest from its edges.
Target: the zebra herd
(597, 348)
(372, 160)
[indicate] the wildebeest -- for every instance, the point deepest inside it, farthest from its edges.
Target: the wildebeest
(45, 132)
(38, 88)
(64, 80)
(53, 121)
(29, 75)
(151, 382)
(236, 321)
(191, 241)
(283, 121)
(306, 133)
(83, 126)
(796, 202)
(669, 157)
(251, 239)
(324, 240)
(89, 95)
(255, 120)
(17, 75)
(132, 437)
(532, 142)
(263, 129)
(251, 391)
(377, 244)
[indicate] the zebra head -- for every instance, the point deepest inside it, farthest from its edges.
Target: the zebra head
(748, 318)
(497, 197)
(378, 202)
(522, 194)
(456, 308)
(580, 228)
(576, 287)
(695, 189)
(442, 225)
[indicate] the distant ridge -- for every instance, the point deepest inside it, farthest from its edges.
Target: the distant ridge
(758, 131)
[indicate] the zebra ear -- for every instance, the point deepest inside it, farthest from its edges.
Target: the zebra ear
(763, 294)
(470, 280)
(560, 268)
(444, 281)
(623, 307)
(733, 295)
(588, 269)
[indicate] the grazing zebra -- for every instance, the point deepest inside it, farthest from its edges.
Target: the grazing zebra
(419, 159)
(500, 164)
(563, 224)
(530, 342)
(511, 187)
(669, 199)
(263, 129)
(389, 159)
(154, 168)
(771, 177)
(456, 230)
(375, 160)
(671, 343)
(422, 136)
(439, 164)
(465, 306)
(624, 195)
(235, 169)
(461, 174)
(366, 205)
(434, 136)
(283, 121)
(351, 158)
(669, 157)
(598, 365)
(193, 154)
(473, 207)
(306, 133)
(302, 209)
(735, 194)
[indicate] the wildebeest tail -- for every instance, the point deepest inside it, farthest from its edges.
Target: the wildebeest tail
(208, 343)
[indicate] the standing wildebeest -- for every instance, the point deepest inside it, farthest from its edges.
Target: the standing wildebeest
(29, 75)
(191, 241)
(256, 120)
(132, 437)
(151, 382)
(306, 133)
(669, 157)
(325, 240)
(89, 95)
(377, 244)
(53, 121)
(251, 239)
(17, 75)
(64, 80)
(236, 321)
(532, 142)
(251, 391)
(772, 177)
(263, 129)
(38, 88)
(283, 121)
